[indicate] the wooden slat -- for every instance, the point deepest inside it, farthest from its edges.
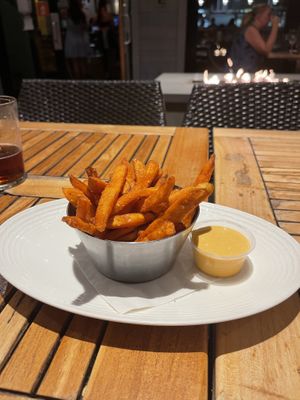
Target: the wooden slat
(6, 201)
(54, 158)
(255, 357)
(13, 320)
(41, 186)
(286, 205)
(280, 171)
(67, 370)
(288, 216)
(284, 194)
(290, 227)
(261, 133)
(33, 351)
(14, 396)
(78, 169)
(258, 357)
(138, 362)
(282, 178)
(126, 152)
(160, 149)
(38, 156)
(55, 140)
(146, 148)
(39, 141)
(118, 129)
(238, 180)
(185, 157)
(110, 153)
(17, 206)
(267, 162)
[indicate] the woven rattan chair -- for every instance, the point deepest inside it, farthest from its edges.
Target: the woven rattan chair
(91, 101)
(251, 105)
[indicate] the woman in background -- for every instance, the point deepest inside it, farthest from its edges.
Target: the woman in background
(77, 41)
(250, 48)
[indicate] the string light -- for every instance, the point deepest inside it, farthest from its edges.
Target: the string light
(225, 2)
(250, 2)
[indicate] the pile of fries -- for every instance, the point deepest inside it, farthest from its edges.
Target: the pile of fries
(139, 203)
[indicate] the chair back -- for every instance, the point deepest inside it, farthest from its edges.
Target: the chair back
(91, 101)
(244, 105)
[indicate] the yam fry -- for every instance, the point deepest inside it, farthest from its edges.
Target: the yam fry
(85, 209)
(159, 200)
(96, 185)
(78, 184)
(110, 196)
(130, 180)
(178, 193)
(72, 195)
(78, 223)
(139, 170)
(116, 234)
(129, 220)
(129, 198)
(130, 236)
(206, 172)
(165, 229)
(187, 201)
(91, 171)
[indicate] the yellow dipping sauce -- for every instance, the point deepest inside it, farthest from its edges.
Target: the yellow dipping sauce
(219, 250)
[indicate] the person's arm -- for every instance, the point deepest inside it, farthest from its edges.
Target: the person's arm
(254, 38)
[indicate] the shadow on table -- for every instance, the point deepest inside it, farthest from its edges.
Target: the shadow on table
(243, 333)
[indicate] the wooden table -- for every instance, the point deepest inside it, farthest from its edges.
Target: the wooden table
(47, 353)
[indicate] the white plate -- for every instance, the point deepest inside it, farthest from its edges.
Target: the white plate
(34, 257)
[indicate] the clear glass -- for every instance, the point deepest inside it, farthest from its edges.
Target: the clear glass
(12, 171)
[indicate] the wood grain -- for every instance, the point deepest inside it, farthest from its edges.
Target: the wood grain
(67, 370)
(256, 357)
(41, 186)
(185, 157)
(149, 363)
(33, 351)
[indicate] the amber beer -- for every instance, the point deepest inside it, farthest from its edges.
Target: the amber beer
(11, 157)
(11, 163)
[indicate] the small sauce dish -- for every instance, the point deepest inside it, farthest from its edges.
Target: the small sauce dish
(220, 247)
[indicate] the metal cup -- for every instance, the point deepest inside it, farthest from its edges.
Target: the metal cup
(12, 170)
(134, 261)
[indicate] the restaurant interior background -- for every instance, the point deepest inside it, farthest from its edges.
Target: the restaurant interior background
(145, 38)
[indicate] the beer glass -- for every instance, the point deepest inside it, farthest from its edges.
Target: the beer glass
(12, 170)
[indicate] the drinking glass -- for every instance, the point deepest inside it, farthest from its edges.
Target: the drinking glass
(12, 170)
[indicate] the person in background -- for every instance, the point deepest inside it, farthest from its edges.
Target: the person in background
(250, 48)
(76, 41)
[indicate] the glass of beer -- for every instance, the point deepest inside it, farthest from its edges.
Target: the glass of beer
(12, 170)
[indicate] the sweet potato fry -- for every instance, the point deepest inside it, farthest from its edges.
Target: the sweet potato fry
(78, 184)
(165, 229)
(139, 170)
(129, 220)
(130, 180)
(85, 209)
(77, 223)
(129, 237)
(96, 185)
(206, 172)
(72, 195)
(110, 196)
(116, 234)
(91, 171)
(159, 200)
(129, 198)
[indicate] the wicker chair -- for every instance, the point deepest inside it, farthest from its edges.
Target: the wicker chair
(91, 101)
(253, 105)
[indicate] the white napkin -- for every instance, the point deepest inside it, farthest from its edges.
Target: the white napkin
(182, 280)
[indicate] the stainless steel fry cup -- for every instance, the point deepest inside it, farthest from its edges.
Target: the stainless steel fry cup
(134, 261)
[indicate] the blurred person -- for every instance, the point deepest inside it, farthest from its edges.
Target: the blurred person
(250, 48)
(77, 45)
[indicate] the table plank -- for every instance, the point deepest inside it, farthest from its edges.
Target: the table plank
(33, 351)
(150, 363)
(182, 152)
(41, 186)
(256, 357)
(261, 133)
(65, 375)
(117, 129)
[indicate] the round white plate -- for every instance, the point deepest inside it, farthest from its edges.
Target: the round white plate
(34, 257)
